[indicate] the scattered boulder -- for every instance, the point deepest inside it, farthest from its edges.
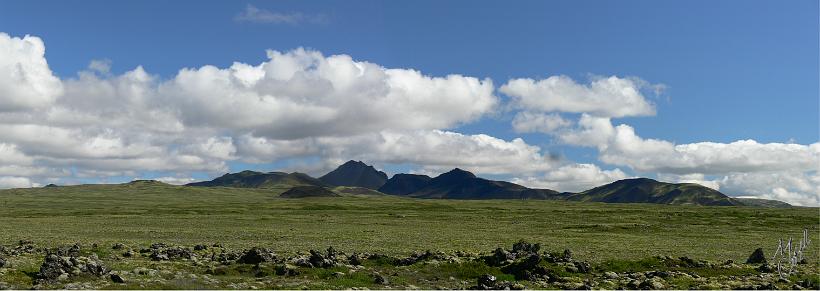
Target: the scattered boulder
(200, 247)
(489, 282)
(524, 248)
(118, 246)
(3, 262)
(380, 279)
(567, 256)
(355, 259)
(757, 257)
(286, 270)
(529, 269)
(652, 284)
(56, 268)
(117, 278)
(319, 260)
(499, 257)
(256, 256)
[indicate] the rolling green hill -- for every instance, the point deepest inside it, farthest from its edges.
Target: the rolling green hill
(460, 184)
(252, 179)
(644, 190)
(762, 202)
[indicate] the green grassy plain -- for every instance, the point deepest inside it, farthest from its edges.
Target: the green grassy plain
(144, 213)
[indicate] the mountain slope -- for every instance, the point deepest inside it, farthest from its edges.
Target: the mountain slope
(308, 191)
(252, 179)
(355, 173)
(756, 202)
(404, 184)
(460, 184)
(644, 190)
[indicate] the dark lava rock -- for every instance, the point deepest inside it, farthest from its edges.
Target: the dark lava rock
(757, 257)
(118, 246)
(418, 257)
(766, 268)
(524, 248)
(3, 262)
(200, 247)
(319, 260)
(54, 267)
(172, 253)
(158, 246)
(72, 251)
(117, 278)
(499, 257)
(582, 267)
(489, 282)
(529, 269)
(379, 279)
(567, 255)
(256, 256)
(355, 259)
(285, 270)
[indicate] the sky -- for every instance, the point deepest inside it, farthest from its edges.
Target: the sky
(565, 95)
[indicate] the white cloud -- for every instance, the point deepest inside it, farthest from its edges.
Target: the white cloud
(620, 145)
(792, 186)
(695, 178)
(433, 150)
(302, 93)
(786, 172)
(606, 97)
(176, 180)
(16, 182)
(298, 103)
(257, 15)
(538, 122)
(573, 178)
(27, 81)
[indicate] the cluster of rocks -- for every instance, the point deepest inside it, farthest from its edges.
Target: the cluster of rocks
(489, 282)
(524, 262)
(22, 247)
(59, 268)
(163, 252)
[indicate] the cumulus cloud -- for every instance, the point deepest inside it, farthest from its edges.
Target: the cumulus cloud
(573, 178)
(433, 150)
(16, 182)
(302, 93)
(733, 163)
(26, 82)
(257, 15)
(298, 103)
(620, 145)
(606, 97)
(538, 122)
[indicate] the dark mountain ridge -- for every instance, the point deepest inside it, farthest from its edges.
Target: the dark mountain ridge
(253, 179)
(357, 174)
(461, 184)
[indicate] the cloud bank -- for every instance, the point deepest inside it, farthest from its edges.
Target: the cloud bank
(303, 104)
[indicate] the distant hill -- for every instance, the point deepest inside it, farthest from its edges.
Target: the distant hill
(762, 202)
(460, 184)
(252, 179)
(356, 191)
(355, 173)
(404, 184)
(644, 190)
(308, 191)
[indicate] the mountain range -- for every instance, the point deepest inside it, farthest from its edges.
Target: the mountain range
(356, 177)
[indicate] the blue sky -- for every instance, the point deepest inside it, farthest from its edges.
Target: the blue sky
(732, 70)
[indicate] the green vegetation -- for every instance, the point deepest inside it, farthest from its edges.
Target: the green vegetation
(141, 213)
